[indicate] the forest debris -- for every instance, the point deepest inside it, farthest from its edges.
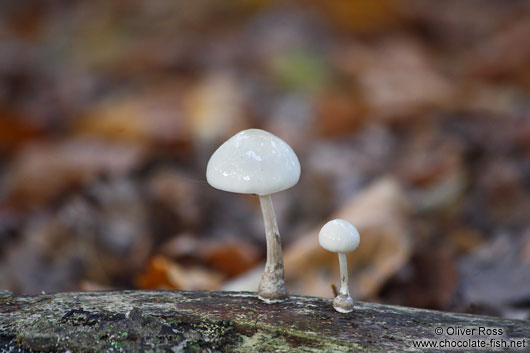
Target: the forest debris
(495, 266)
(150, 118)
(156, 275)
(181, 245)
(439, 194)
(230, 257)
(101, 237)
(162, 273)
(215, 107)
(41, 172)
(493, 62)
(89, 286)
(175, 196)
(345, 166)
(398, 78)
(340, 113)
(14, 131)
(502, 182)
(430, 280)
(300, 70)
(44, 259)
(465, 239)
(292, 118)
(360, 16)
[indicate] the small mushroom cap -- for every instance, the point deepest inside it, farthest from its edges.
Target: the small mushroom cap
(253, 162)
(339, 235)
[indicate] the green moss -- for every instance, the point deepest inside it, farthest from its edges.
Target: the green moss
(193, 347)
(99, 331)
(116, 345)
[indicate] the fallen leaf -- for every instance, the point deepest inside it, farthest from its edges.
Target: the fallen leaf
(359, 16)
(429, 281)
(339, 113)
(396, 78)
(42, 172)
(230, 258)
(155, 276)
(146, 118)
(494, 267)
(161, 273)
(215, 107)
(14, 132)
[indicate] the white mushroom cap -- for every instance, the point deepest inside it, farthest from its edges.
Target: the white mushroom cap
(339, 235)
(253, 162)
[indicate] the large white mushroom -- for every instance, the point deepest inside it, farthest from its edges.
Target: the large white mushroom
(257, 162)
(340, 236)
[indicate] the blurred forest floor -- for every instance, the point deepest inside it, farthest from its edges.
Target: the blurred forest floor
(410, 118)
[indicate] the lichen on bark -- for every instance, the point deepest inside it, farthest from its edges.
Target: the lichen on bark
(176, 321)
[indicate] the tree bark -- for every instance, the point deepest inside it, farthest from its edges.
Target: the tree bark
(178, 321)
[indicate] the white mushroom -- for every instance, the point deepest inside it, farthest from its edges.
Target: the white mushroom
(257, 162)
(340, 236)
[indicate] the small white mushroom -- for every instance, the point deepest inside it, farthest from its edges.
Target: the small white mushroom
(257, 162)
(340, 236)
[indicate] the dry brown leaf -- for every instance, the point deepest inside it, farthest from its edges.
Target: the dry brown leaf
(155, 276)
(14, 132)
(465, 240)
(153, 117)
(176, 196)
(161, 273)
(228, 257)
(231, 258)
(489, 59)
(498, 273)
(359, 16)
(90, 286)
(215, 107)
(339, 114)
(42, 172)
(397, 78)
(430, 281)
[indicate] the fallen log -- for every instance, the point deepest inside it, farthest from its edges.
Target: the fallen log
(178, 321)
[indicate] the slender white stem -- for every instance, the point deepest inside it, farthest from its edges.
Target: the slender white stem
(272, 286)
(343, 274)
(274, 247)
(343, 302)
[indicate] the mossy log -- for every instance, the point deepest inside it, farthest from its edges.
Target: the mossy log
(178, 321)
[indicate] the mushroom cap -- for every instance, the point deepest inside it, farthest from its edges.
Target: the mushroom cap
(339, 235)
(253, 161)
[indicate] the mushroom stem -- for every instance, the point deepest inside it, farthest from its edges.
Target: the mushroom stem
(272, 286)
(343, 274)
(343, 302)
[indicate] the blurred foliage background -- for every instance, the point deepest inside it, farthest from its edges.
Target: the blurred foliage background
(410, 118)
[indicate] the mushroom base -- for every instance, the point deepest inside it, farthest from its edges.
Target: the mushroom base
(343, 303)
(271, 301)
(272, 287)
